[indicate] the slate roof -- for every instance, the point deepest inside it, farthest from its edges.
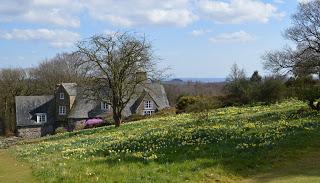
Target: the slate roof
(28, 106)
(156, 92)
(71, 88)
(84, 108)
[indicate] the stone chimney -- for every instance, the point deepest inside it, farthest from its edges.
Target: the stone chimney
(142, 76)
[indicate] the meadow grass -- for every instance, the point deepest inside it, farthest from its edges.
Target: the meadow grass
(233, 144)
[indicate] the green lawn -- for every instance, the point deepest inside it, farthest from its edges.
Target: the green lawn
(235, 144)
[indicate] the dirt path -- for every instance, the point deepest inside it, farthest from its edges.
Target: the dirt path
(12, 171)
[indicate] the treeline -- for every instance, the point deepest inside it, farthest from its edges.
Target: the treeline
(40, 80)
(176, 90)
(241, 89)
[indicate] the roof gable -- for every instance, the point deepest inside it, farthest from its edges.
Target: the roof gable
(71, 88)
(28, 106)
(139, 101)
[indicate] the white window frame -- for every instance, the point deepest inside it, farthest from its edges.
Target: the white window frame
(148, 112)
(148, 105)
(41, 117)
(105, 106)
(61, 95)
(62, 110)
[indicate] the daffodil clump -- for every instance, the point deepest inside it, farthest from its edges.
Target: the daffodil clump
(230, 144)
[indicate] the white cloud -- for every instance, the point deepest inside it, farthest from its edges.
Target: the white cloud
(56, 38)
(137, 12)
(67, 13)
(240, 36)
(238, 11)
(125, 12)
(199, 32)
(304, 1)
(21, 57)
(57, 12)
(278, 1)
(52, 16)
(175, 17)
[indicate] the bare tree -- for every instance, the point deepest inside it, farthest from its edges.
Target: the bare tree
(305, 33)
(303, 61)
(236, 74)
(114, 66)
(12, 83)
(49, 73)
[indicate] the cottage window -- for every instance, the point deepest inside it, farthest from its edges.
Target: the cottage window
(105, 106)
(148, 112)
(62, 110)
(62, 96)
(41, 118)
(148, 104)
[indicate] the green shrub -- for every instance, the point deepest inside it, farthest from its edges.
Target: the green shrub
(203, 106)
(162, 113)
(60, 130)
(134, 117)
(184, 102)
(254, 90)
(165, 112)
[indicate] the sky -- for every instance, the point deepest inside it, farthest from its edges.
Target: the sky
(194, 38)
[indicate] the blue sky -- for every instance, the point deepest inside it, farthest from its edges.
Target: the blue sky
(195, 38)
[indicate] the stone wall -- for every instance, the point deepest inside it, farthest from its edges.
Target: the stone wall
(35, 132)
(76, 124)
(7, 142)
(32, 132)
(62, 102)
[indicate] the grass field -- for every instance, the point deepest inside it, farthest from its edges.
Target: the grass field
(249, 144)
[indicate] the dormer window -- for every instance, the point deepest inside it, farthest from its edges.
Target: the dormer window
(148, 108)
(148, 104)
(105, 106)
(41, 118)
(61, 96)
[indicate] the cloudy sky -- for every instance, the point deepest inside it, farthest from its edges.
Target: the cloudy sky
(195, 38)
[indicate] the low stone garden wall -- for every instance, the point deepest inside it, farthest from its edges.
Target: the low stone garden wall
(7, 142)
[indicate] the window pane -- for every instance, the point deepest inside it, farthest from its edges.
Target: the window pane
(62, 110)
(148, 104)
(41, 118)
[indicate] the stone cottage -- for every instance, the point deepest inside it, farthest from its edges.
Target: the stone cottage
(37, 116)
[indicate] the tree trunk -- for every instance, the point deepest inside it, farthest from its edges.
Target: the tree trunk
(311, 105)
(6, 123)
(117, 120)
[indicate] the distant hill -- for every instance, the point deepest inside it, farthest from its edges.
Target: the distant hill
(201, 80)
(204, 80)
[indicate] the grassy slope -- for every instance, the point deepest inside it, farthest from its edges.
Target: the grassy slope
(304, 169)
(13, 171)
(233, 144)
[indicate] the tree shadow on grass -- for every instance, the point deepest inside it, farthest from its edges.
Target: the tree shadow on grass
(305, 168)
